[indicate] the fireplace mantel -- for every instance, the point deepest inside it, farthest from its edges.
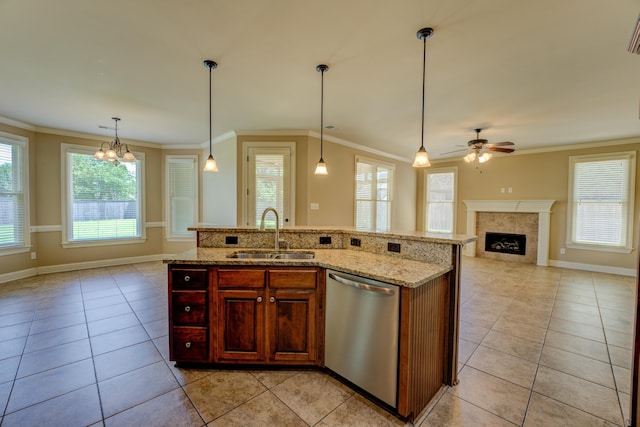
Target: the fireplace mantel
(541, 207)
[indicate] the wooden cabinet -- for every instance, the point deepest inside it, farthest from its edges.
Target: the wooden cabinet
(189, 314)
(230, 314)
(267, 315)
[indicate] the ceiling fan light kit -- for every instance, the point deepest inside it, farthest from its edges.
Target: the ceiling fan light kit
(481, 150)
(422, 158)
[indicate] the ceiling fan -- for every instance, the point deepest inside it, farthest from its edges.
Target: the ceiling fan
(481, 149)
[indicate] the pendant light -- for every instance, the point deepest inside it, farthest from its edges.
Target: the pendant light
(210, 165)
(321, 167)
(422, 158)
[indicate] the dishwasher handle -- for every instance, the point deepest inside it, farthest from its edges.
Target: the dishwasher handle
(363, 286)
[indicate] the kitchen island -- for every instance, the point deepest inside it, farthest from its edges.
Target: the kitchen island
(230, 306)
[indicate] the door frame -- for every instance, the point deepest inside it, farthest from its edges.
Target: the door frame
(245, 176)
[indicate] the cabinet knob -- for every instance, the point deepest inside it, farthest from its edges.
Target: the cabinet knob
(272, 299)
(187, 309)
(187, 278)
(259, 299)
(187, 344)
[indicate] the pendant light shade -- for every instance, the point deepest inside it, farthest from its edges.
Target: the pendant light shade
(210, 165)
(422, 158)
(321, 167)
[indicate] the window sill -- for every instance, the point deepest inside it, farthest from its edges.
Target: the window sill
(599, 248)
(111, 242)
(14, 250)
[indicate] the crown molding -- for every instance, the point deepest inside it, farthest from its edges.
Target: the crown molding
(355, 146)
(15, 123)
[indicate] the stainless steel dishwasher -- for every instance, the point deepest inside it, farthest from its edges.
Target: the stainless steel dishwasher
(361, 335)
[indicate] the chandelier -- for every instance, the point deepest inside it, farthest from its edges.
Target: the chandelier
(115, 150)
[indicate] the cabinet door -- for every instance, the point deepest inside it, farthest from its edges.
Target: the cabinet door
(241, 325)
(292, 325)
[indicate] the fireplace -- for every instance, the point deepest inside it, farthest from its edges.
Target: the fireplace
(538, 243)
(506, 243)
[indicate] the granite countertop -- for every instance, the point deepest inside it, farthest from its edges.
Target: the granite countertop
(447, 238)
(397, 271)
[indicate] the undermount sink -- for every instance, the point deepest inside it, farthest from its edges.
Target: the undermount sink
(271, 255)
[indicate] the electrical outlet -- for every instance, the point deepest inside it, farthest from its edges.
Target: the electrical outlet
(325, 240)
(393, 247)
(502, 190)
(33, 255)
(231, 240)
(510, 190)
(355, 242)
(562, 251)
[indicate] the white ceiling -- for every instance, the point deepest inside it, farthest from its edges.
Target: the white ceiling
(538, 73)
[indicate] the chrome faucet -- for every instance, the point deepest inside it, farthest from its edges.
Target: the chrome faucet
(277, 225)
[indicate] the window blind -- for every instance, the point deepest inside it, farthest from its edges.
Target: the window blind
(373, 196)
(440, 201)
(270, 191)
(601, 190)
(12, 197)
(182, 195)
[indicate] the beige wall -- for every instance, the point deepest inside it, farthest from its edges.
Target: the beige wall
(536, 176)
(218, 191)
(333, 192)
(531, 176)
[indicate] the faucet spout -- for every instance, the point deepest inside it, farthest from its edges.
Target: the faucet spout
(275, 212)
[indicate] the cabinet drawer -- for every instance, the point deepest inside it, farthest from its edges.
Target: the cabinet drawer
(189, 344)
(189, 278)
(241, 278)
(296, 279)
(189, 308)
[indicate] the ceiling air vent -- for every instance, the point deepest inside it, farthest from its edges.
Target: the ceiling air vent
(634, 45)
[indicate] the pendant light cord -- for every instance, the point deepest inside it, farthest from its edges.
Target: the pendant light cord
(424, 89)
(321, 110)
(210, 121)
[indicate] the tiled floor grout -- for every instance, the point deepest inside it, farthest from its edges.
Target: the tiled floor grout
(504, 296)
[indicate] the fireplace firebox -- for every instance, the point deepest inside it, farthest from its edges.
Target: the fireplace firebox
(506, 243)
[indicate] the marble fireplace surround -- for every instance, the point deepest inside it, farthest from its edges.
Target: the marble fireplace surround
(541, 207)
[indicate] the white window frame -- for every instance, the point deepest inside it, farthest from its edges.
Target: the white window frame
(170, 233)
(390, 190)
(454, 203)
(627, 246)
(66, 200)
(23, 143)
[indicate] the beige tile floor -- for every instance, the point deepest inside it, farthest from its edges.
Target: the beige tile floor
(538, 347)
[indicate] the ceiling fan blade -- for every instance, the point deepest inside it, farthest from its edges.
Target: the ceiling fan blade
(497, 144)
(454, 151)
(502, 150)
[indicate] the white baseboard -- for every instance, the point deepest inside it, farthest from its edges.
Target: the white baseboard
(100, 263)
(17, 275)
(593, 267)
(23, 274)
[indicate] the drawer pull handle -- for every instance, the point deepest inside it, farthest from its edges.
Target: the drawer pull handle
(187, 309)
(187, 278)
(272, 299)
(187, 344)
(259, 299)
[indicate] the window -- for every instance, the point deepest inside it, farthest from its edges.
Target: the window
(374, 191)
(601, 189)
(14, 218)
(103, 200)
(182, 195)
(440, 199)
